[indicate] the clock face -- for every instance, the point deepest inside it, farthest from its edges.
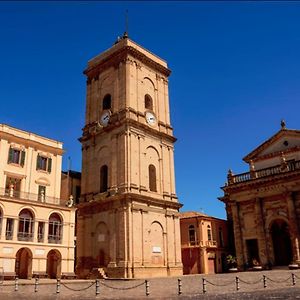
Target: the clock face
(104, 118)
(150, 118)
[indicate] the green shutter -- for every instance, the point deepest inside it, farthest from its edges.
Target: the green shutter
(38, 162)
(22, 158)
(49, 164)
(10, 155)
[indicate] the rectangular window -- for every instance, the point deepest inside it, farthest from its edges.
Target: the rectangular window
(9, 229)
(41, 228)
(44, 163)
(16, 156)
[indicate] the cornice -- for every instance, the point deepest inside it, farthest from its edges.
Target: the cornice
(115, 58)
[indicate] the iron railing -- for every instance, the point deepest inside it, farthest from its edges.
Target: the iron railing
(8, 193)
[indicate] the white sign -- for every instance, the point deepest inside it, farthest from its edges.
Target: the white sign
(39, 251)
(7, 250)
(156, 250)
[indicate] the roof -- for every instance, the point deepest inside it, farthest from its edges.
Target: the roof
(191, 214)
(73, 174)
(262, 147)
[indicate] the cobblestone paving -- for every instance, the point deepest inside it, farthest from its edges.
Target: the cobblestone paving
(279, 285)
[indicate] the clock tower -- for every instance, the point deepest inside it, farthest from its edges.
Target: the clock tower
(128, 213)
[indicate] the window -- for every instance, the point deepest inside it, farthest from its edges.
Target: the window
(42, 193)
(152, 178)
(9, 229)
(16, 156)
(208, 233)
(77, 193)
(221, 237)
(41, 227)
(103, 178)
(44, 163)
(25, 231)
(148, 102)
(55, 229)
(106, 104)
(192, 235)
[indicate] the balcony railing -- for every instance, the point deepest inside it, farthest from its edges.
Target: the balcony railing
(54, 239)
(211, 243)
(9, 193)
(278, 169)
(25, 236)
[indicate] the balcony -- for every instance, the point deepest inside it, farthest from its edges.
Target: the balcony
(10, 193)
(263, 173)
(25, 236)
(211, 244)
(54, 239)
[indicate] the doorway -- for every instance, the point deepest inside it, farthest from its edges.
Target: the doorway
(54, 264)
(23, 263)
(281, 243)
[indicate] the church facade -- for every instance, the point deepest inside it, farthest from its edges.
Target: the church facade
(128, 221)
(263, 205)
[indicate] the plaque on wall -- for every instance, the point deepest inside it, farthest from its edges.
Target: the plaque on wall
(156, 250)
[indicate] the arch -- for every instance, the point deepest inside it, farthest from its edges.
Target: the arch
(55, 228)
(53, 264)
(148, 81)
(102, 246)
(106, 102)
(156, 238)
(148, 102)
(152, 178)
(23, 265)
(152, 152)
(26, 222)
(103, 178)
(282, 247)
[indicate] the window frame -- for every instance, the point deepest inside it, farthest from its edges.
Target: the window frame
(43, 163)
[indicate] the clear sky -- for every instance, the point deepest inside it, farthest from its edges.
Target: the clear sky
(235, 75)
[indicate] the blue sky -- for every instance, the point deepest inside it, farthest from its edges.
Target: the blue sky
(235, 75)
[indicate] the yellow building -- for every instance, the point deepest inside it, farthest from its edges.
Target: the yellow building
(204, 243)
(36, 226)
(128, 220)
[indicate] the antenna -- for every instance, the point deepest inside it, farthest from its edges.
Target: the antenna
(126, 24)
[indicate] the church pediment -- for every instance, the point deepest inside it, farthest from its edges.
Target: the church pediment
(285, 140)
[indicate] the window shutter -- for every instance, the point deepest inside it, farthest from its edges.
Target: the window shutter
(49, 164)
(22, 158)
(10, 155)
(38, 162)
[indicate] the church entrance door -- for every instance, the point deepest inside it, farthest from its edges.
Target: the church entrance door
(281, 243)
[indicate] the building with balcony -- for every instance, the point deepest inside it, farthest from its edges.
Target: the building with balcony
(36, 225)
(204, 243)
(263, 204)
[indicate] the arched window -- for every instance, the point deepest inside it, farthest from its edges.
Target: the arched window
(152, 178)
(55, 229)
(106, 104)
(208, 233)
(192, 235)
(148, 102)
(26, 221)
(103, 178)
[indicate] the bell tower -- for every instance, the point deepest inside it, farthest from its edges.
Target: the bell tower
(128, 214)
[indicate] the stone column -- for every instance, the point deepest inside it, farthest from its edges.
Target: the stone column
(293, 226)
(238, 235)
(261, 233)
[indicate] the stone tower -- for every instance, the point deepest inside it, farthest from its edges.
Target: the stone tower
(128, 213)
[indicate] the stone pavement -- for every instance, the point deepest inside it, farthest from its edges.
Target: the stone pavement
(278, 284)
